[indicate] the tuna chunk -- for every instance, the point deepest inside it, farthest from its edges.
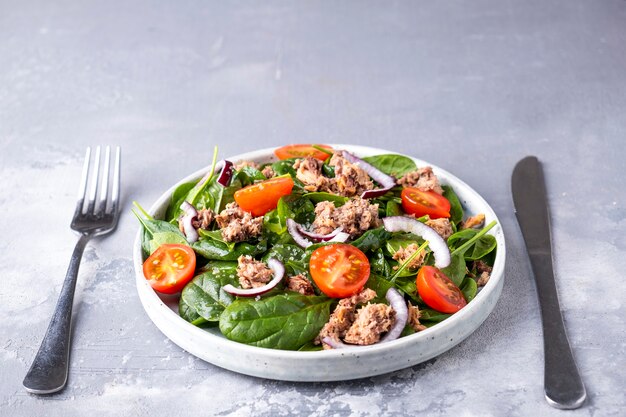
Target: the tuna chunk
(476, 221)
(350, 180)
(442, 226)
(299, 283)
(356, 216)
(268, 172)
(239, 165)
(414, 318)
(371, 321)
(252, 273)
(423, 179)
(202, 221)
(238, 225)
(342, 318)
(484, 272)
(309, 171)
(403, 254)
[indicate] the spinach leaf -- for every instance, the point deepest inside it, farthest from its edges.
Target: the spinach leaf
(213, 249)
(179, 195)
(285, 167)
(328, 171)
(391, 164)
(393, 209)
(287, 254)
(157, 232)
(469, 289)
(318, 196)
(380, 285)
(407, 285)
(248, 175)
(456, 210)
(457, 269)
(310, 347)
(204, 296)
(379, 264)
(430, 317)
(483, 245)
(372, 239)
(285, 321)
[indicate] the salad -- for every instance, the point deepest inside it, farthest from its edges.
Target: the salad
(318, 250)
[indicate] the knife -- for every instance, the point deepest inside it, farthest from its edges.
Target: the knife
(562, 383)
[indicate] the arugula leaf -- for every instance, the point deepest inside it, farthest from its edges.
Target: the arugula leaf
(456, 210)
(284, 321)
(204, 297)
(392, 164)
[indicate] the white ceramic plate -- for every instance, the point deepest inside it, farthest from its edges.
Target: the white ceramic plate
(329, 365)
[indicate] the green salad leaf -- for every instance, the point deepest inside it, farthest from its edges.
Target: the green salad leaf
(392, 164)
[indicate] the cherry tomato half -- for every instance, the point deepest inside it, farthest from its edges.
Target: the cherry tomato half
(339, 270)
(300, 151)
(438, 291)
(421, 203)
(263, 196)
(170, 268)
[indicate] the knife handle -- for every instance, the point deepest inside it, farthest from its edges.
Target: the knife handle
(562, 383)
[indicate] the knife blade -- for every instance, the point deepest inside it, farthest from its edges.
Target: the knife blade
(562, 383)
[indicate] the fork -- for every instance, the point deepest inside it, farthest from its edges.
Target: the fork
(49, 370)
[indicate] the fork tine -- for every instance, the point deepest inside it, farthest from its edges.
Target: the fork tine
(82, 188)
(104, 186)
(115, 193)
(94, 182)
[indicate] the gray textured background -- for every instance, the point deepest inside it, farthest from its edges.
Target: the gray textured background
(471, 86)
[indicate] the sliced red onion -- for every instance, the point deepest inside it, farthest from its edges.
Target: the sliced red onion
(436, 242)
(340, 237)
(226, 172)
(301, 236)
(292, 228)
(190, 214)
(387, 182)
(225, 168)
(277, 268)
(396, 301)
(334, 343)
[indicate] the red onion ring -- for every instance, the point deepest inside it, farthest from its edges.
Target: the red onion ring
(387, 182)
(437, 244)
(301, 236)
(190, 214)
(226, 172)
(225, 168)
(396, 301)
(277, 268)
(335, 344)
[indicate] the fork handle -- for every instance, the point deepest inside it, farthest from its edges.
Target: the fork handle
(49, 370)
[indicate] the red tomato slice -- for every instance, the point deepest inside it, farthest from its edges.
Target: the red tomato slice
(170, 268)
(302, 150)
(438, 291)
(421, 203)
(339, 270)
(263, 196)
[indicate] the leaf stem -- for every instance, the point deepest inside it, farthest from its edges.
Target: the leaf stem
(406, 263)
(326, 151)
(466, 245)
(141, 209)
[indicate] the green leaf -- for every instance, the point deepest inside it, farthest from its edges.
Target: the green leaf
(248, 175)
(372, 239)
(393, 209)
(285, 321)
(162, 238)
(204, 296)
(213, 249)
(179, 195)
(457, 269)
(469, 289)
(456, 210)
(391, 164)
(379, 264)
(430, 317)
(380, 285)
(479, 248)
(316, 197)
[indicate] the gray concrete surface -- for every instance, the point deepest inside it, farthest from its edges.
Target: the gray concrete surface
(470, 86)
